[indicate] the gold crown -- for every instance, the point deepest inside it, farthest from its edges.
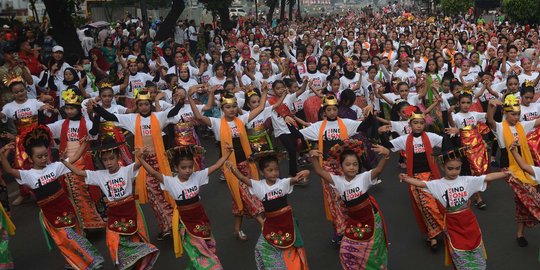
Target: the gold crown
(11, 78)
(529, 83)
(105, 85)
(250, 93)
(417, 116)
(228, 100)
(511, 104)
(71, 98)
(141, 96)
(329, 100)
(467, 90)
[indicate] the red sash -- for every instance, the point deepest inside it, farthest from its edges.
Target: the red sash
(195, 220)
(282, 109)
(360, 222)
(122, 216)
(409, 151)
(58, 210)
(463, 230)
(278, 228)
(83, 131)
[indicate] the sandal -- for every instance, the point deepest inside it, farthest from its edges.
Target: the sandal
(481, 205)
(433, 244)
(240, 235)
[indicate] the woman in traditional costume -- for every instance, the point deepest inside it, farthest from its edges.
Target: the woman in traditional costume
(464, 245)
(191, 227)
(146, 127)
(531, 111)
(70, 131)
(24, 112)
(57, 216)
(328, 133)
(364, 245)
(280, 245)
(126, 233)
(526, 190)
(418, 146)
(230, 130)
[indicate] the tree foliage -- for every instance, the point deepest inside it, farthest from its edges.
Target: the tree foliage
(523, 11)
(454, 7)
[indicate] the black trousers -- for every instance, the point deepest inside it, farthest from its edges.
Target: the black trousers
(289, 142)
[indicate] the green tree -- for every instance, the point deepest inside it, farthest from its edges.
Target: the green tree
(454, 7)
(522, 11)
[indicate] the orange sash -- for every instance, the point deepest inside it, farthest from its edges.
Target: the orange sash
(343, 135)
(525, 152)
(159, 148)
(225, 134)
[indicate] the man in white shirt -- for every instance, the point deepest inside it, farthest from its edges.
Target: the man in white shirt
(192, 35)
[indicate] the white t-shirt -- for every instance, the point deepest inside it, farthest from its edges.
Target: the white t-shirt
(528, 126)
(35, 179)
(400, 143)
(524, 77)
(185, 190)
(16, 111)
(536, 175)
(468, 119)
(193, 72)
(457, 192)
(137, 83)
(216, 126)
(115, 186)
(260, 119)
(408, 76)
(531, 112)
(401, 127)
(73, 129)
(350, 190)
(331, 130)
(278, 123)
(127, 121)
(185, 115)
(246, 80)
(412, 98)
(266, 192)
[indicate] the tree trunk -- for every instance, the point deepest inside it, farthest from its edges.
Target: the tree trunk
(225, 19)
(64, 30)
(291, 9)
(299, 15)
(282, 10)
(167, 27)
(271, 10)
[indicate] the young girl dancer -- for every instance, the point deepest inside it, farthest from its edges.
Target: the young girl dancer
(127, 237)
(462, 232)
(280, 245)
(364, 244)
(191, 226)
(57, 216)
(146, 127)
(526, 190)
(531, 111)
(328, 133)
(70, 131)
(230, 130)
(418, 146)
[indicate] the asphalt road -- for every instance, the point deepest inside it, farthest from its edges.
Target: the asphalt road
(407, 245)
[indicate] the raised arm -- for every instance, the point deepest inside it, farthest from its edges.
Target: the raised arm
(520, 161)
(140, 158)
(253, 113)
(229, 149)
(196, 112)
(4, 152)
(492, 106)
(499, 175)
(238, 174)
(385, 155)
(314, 158)
(412, 181)
(73, 168)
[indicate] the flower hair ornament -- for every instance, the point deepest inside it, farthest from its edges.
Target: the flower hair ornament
(529, 83)
(39, 134)
(11, 78)
(195, 150)
(511, 104)
(71, 97)
(410, 112)
(256, 156)
(335, 152)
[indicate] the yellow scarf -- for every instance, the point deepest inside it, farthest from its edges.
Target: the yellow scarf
(225, 134)
(177, 241)
(159, 148)
(525, 152)
(7, 223)
(343, 135)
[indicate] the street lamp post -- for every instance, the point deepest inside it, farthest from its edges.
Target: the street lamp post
(256, 12)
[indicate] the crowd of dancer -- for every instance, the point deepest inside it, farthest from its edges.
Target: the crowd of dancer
(93, 137)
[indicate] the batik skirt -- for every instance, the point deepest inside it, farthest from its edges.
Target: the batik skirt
(426, 210)
(162, 209)
(252, 205)
(333, 204)
(7, 228)
(527, 199)
(464, 245)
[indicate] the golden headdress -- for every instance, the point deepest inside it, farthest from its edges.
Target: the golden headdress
(71, 97)
(511, 104)
(10, 78)
(105, 85)
(410, 112)
(226, 99)
(529, 83)
(143, 95)
(329, 100)
(250, 93)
